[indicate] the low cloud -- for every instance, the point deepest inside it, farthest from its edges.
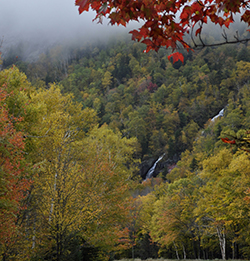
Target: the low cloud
(48, 22)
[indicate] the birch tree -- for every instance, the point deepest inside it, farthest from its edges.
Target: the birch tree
(81, 191)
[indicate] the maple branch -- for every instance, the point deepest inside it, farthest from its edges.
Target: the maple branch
(224, 35)
(201, 40)
(236, 36)
(192, 38)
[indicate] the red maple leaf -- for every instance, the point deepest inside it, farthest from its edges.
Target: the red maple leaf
(136, 35)
(82, 5)
(176, 57)
(160, 23)
(226, 140)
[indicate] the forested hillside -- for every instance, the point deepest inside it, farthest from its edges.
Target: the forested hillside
(80, 128)
(144, 95)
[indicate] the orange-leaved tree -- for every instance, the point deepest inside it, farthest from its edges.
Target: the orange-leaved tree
(165, 22)
(13, 176)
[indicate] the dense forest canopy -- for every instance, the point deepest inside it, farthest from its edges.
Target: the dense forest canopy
(80, 128)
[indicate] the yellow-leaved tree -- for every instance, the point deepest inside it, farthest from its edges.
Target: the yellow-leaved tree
(106, 189)
(221, 210)
(80, 196)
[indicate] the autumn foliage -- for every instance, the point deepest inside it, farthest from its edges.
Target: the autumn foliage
(88, 137)
(14, 183)
(166, 22)
(227, 140)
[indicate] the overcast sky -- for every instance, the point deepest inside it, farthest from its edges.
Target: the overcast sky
(48, 21)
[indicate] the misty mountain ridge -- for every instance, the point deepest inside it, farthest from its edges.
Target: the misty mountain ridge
(106, 113)
(36, 27)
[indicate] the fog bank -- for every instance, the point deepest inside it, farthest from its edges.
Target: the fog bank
(41, 24)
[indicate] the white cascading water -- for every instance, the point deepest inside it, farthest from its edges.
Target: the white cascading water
(151, 170)
(220, 114)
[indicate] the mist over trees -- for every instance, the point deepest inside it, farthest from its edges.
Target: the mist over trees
(93, 119)
(36, 26)
(81, 123)
(166, 23)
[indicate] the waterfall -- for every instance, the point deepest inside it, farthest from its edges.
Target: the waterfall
(220, 114)
(152, 169)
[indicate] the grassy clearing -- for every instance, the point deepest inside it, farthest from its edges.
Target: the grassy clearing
(162, 259)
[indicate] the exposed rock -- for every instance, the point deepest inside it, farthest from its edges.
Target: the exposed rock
(145, 167)
(164, 166)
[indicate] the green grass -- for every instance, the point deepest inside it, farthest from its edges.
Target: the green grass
(162, 259)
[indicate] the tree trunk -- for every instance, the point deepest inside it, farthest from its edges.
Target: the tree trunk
(222, 240)
(57, 244)
(34, 235)
(193, 243)
(176, 251)
(199, 248)
(184, 252)
(233, 250)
